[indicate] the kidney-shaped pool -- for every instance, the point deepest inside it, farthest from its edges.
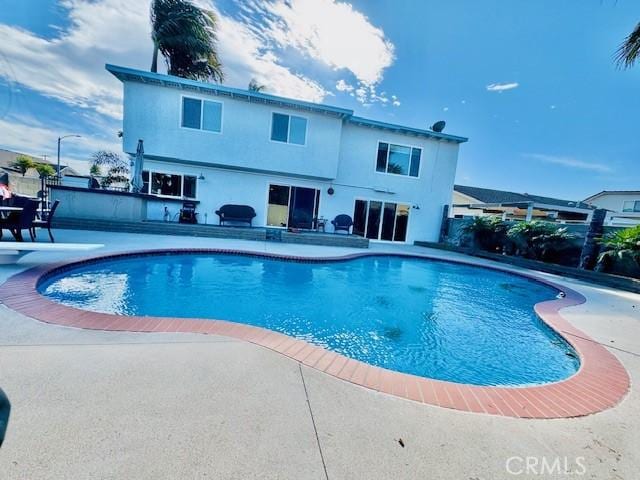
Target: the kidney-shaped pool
(434, 319)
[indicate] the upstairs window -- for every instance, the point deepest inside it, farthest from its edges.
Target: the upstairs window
(288, 129)
(202, 114)
(631, 206)
(398, 159)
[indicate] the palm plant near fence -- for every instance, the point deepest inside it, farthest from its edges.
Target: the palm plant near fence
(488, 233)
(621, 252)
(538, 240)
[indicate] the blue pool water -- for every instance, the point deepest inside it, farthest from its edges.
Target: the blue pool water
(434, 319)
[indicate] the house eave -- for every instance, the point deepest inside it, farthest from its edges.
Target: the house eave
(125, 74)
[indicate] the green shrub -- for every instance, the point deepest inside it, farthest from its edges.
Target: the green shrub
(488, 233)
(539, 240)
(620, 252)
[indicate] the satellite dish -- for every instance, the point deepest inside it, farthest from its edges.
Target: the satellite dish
(438, 126)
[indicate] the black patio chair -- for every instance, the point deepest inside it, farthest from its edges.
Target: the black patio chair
(342, 222)
(188, 213)
(45, 222)
(22, 220)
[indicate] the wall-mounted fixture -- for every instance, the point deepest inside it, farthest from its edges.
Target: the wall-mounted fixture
(415, 207)
(201, 177)
(331, 191)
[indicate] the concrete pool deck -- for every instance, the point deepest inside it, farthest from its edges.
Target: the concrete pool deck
(90, 404)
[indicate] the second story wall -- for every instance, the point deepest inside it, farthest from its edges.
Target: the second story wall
(618, 202)
(155, 114)
(359, 157)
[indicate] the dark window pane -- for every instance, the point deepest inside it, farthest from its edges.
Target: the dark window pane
(381, 164)
(415, 162)
(280, 127)
(145, 181)
(278, 195)
(298, 130)
(399, 158)
(212, 117)
(278, 209)
(169, 185)
(359, 217)
(636, 208)
(373, 225)
(301, 209)
(402, 221)
(388, 220)
(189, 186)
(191, 112)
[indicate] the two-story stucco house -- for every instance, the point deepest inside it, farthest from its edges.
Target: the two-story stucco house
(292, 161)
(623, 206)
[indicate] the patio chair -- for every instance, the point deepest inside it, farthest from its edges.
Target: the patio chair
(188, 213)
(45, 222)
(22, 220)
(342, 222)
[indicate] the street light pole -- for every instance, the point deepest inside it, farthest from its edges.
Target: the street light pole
(59, 139)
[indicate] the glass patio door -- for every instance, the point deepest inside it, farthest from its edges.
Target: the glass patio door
(292, 207)
(378, 220)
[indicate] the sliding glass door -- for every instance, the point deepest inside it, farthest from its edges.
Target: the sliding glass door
(292, 207)
(378, 220)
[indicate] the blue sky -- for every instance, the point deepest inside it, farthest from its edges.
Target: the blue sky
(532, 84)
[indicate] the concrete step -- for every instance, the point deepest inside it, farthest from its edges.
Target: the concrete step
(212, 231)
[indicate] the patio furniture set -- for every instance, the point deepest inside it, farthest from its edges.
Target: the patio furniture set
(246, 214)
(19, 213)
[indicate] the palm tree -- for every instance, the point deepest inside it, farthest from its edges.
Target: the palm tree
(629, 51)
(254, 86)
(185, 35)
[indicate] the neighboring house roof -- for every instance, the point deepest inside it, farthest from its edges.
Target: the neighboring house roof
(8, 158)
(133, 75)
(488, 195)
(612, 192)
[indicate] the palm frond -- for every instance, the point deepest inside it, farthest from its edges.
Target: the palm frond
(629, 51)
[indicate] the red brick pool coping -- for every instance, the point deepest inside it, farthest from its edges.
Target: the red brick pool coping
(600, 383)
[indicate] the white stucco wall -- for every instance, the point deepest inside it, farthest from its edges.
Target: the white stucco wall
(614, 201)
(337, 154)
(153, 113)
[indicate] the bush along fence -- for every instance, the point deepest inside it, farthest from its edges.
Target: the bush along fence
(588, 247)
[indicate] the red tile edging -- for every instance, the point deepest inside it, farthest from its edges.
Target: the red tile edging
(600, 383)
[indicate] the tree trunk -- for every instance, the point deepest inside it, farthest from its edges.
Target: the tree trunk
(154, 61)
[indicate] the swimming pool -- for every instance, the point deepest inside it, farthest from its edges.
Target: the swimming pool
(434, 319)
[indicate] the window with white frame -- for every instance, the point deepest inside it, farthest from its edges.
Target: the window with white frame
(631, 206)
(201, 114)
(398, 159)
(169, 184)
(288, 129)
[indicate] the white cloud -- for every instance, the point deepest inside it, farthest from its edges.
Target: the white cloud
(396, 103)
(329, 31)
(568, 162)
(343, 86)
(243, 58)
(70, 67)
(28, 135)
(445, 109)
(501, 87)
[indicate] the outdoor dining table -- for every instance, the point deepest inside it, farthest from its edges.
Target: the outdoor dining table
(7, 210)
